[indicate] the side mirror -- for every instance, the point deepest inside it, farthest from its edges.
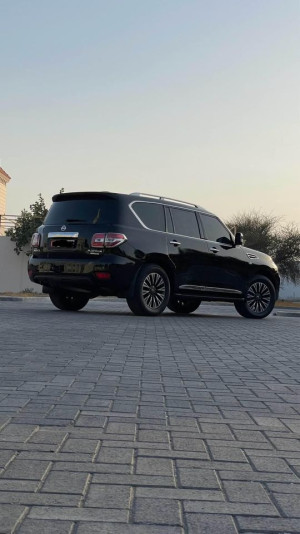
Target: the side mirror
(239, 239)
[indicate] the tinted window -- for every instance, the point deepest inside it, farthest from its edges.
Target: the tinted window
(215, 230)
(185, 222)
(91, 211)
(152, 215)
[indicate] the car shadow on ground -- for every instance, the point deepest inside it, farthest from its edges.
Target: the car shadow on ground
(120, 313)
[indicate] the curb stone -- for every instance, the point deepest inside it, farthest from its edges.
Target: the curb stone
(12, 298)
(281, 313)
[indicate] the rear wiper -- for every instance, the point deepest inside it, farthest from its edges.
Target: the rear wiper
(75, 220)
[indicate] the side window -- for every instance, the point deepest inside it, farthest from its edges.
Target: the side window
(185, 222)
(215, 230)
(152, 215)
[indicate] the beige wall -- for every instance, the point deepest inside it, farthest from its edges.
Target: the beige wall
(2, 196)
(13, 269)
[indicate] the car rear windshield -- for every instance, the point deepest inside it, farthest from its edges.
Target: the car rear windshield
(83, 211)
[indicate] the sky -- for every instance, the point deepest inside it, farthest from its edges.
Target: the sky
(193, 99)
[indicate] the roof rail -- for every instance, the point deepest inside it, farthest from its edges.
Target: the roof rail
(146, 195)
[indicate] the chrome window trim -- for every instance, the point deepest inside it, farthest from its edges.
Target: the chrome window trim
(211, 289)
(140, 220)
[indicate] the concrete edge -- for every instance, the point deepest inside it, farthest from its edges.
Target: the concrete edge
(281, 313)
(18, 299)
(12, 298)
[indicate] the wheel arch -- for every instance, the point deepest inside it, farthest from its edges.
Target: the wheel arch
(157, 259)
(166, 264)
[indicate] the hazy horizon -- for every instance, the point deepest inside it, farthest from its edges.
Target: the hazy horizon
(189, 99)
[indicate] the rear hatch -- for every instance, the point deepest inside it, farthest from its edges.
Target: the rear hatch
(72, 222)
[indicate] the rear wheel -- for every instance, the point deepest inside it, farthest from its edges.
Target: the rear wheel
(68, 301)
(151, 291)
(260, 299)
(183, 306)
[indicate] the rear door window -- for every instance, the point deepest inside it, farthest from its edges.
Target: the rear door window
(215, 230)
(185, 222)
(151, 215)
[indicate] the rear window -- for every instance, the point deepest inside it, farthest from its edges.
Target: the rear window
(152, 215)
(83, 211)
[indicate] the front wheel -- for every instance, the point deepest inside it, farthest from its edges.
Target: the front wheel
(68, 301)
(183, 306)
(259, 300)
(151, 291)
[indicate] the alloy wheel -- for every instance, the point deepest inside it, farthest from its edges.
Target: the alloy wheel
(153, 290)
(258, 297)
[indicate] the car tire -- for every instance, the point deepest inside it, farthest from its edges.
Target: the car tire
(183, 306)
(150, 292)
(68, 301)
(260, 298)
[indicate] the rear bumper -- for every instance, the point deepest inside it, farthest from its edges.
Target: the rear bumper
(80, 275)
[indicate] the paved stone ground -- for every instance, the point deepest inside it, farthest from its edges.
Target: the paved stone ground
(116, 424)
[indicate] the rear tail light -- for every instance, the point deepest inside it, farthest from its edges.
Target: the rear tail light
(114, 240)
(98, 241)
(109, 240)
(36, 240)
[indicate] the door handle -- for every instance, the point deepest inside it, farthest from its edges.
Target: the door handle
(214, 249)
(176, 243)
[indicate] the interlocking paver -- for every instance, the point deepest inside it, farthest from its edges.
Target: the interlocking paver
(40, 526)
(208, 523)
(154, 466)
(45, 499)
(78, 514)
(116, 528)
(227, 454)
(180, 494)
(137, 425)
(115, 455)
(252, 492)
(80, 445)
(197, 478)
(157, 511)
(270, 464)
(64, 482)
(268, 524)
(266, 509)
(289, 504)
(105, 496)
(26, 469)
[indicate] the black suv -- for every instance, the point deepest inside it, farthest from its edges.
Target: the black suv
(153, 251)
